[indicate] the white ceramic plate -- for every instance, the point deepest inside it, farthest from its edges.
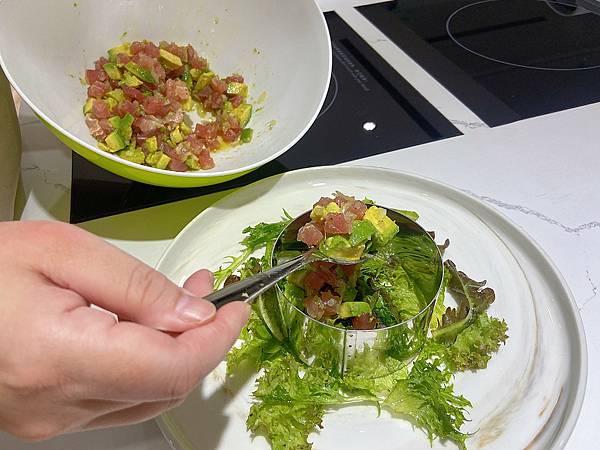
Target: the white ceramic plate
(528, 397)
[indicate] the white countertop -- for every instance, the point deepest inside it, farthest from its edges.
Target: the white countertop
(541, 172)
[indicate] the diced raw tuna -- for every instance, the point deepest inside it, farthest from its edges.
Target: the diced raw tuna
(310, 234)
(314, 307)
(364, 322)
(337, 223)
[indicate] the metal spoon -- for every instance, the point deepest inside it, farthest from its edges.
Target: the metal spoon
(249, 289)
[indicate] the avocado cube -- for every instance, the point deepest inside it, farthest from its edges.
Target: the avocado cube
(195, 74)
(158, 160)
(362, 230)
(227, 106)
(112, 71)
(131, 80)
(125, 127)
(140, 72)
(192, 162)
(319, 212)
(105, 147)
(169, 60)
(203, 81)
(115, 142)
(112, 103)
(385, 227)
(115, 122)
(353, 309)
(113, 52)
(117, 94)
(235, 88)
(338, 247)
(163, 161)
(135, 155)
(188, 105)
(151, 144)
(246, 135)
(176, 136)
(87, 108)
(185, 128)
(243, 113)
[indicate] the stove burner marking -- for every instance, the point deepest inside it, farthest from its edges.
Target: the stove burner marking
(335, 94)
(508, 63)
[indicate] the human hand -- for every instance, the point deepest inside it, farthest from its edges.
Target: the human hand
(65, 366)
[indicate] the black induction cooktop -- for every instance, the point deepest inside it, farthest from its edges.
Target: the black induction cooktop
(370, 109)
(504, 59)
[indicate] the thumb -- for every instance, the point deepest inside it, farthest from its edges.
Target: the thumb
(112, 279)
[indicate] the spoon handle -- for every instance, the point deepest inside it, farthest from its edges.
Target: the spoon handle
(250, 288)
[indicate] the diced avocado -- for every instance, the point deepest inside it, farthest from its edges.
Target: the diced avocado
(87, 108)
(158, 160)
(188, 105)
(246, 135)
(192, 162)
(353, 309)
(195, 73)
(362, 230)
(176, 136)
(125, 127)
(105, 148)
(112, 103)
(151, 144)
(135, 155)
(112, 71)
(203, 81)
(163, 161)
(235, 88)
(140, 72)
(115, 142)
(117, 94)
(185, 128)
(227, 106)
(338, 247)
(386, 227)
(115, 122)
(319, 212)
(131, 80)
(243, 113)
(113, 52)
(169, 60)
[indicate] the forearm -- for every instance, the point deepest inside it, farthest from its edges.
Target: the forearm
(10, 151)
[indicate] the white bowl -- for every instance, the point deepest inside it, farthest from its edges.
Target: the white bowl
(282, 47)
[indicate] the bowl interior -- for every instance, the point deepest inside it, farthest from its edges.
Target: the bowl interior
(281, 46)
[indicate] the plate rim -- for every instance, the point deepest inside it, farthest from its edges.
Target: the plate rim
(567, 427)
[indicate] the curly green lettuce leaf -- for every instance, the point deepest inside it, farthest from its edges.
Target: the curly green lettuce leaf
(374, 372)
(475, 346)
(472, 298)
(258, 346)
(427, 397)
(291, 401)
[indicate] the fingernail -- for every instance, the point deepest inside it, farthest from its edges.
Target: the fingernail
(194, 309)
